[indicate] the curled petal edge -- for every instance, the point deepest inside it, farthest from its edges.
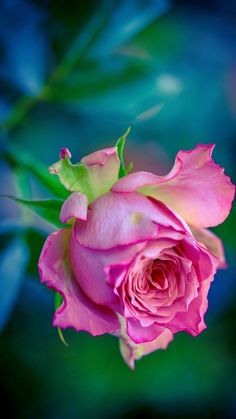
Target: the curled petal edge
(75, 206)
(196, 187)
(77, 310)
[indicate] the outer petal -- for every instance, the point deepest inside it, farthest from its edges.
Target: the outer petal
(196, 187)
(140, 334)
(89, 269)
(101, 157)
(77, 310)
(118, 219)
(212, 243)
(74, 207)
(132, 352)
(103, 169)
(192, 321)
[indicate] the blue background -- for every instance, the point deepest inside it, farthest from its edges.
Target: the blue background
(77, 74)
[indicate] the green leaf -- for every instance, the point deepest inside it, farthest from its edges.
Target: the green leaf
(48, 209)
(120, 148)
(21, 159)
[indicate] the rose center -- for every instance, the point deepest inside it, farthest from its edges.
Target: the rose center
(159, 279)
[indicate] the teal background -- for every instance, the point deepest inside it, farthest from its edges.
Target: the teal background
(77, 74)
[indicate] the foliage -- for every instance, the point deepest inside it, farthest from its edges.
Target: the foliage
(78, 76)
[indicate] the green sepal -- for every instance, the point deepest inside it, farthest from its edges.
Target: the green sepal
(74, 177)
(91, 179)
(120, 148)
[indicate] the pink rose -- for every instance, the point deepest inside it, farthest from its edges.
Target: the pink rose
(136, 259)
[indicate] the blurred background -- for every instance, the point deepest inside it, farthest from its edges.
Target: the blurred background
(77, 74)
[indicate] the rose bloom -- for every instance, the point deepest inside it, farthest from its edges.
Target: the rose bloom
(135, 259)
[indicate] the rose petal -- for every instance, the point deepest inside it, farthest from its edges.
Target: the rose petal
(196, 187)
(212, 243)
(132, 352)
(122, 219)
(140, 334)
(74, 207)
(118, 261)
(77, 310)
(100, 157)
(103, 169)
(192, 321)
(89, 267)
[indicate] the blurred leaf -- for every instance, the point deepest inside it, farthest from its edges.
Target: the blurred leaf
(13, 262)
(103, 28)
(19, 111)
(89, 85)
(70, 20)
(22, 26)
(127, 19)
(18, 158)
(112, 24)
(22, 182)
(48, 209)
(82, 42)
